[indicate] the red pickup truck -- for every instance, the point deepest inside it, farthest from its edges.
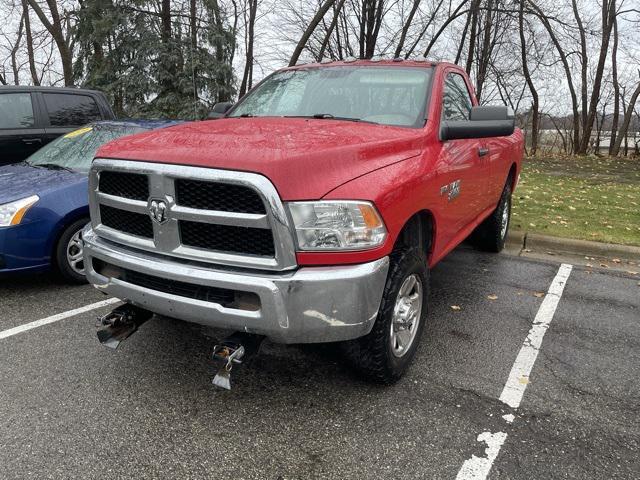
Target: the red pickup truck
(311, 211)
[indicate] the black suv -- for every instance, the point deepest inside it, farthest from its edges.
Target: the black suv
(30, 117)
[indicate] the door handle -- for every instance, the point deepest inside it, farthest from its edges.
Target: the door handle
(31, 141)
(482, 151)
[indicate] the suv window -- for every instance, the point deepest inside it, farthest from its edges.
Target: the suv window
(67, 109)
(16, 110)
(456, 99)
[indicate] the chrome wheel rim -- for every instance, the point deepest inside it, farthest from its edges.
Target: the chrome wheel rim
(75, 250)
(406, 315)
(505, 218)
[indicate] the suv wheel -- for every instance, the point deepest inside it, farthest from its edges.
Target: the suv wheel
(69, 253)
(387, 351)
(491, 234)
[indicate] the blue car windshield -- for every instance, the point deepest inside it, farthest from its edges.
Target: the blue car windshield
(385, 95)
(75, 150)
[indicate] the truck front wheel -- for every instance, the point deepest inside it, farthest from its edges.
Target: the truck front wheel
(386, 352)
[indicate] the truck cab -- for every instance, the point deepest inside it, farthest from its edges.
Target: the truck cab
(312, 210)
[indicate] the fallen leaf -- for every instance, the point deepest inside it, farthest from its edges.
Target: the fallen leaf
(604, 265)
(616, 260)
(631, 272)
(589, 265)
(538, 294)
(523, 380)
(492, 297)
(455, 307)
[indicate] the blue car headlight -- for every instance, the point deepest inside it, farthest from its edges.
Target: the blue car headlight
(12, 213)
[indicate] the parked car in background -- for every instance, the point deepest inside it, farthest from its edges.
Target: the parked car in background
(31, 117)
(44, 202)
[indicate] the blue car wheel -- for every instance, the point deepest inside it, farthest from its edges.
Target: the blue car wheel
(69, 253)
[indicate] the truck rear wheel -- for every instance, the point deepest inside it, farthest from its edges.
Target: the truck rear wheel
(386, 352)
(492, 233)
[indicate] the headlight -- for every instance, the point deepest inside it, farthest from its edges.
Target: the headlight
(13, 212)
(337, 225)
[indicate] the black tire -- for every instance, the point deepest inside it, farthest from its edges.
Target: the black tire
(372, 355)
(491, 234)
(68, 273)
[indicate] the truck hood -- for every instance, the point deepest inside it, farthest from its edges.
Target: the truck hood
(304, 158)
(21, 181)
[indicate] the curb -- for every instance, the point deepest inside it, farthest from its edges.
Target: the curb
(537, 242)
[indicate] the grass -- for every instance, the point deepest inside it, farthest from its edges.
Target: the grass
(588, 198)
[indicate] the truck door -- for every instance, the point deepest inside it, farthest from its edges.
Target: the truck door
(464, 169)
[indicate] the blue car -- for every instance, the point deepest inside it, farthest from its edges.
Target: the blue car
(44, 201)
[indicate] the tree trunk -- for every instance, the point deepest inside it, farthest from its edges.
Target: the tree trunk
(608, 16)
(532, 88)
(332, 27)
(248, 65)
(616, 88)
(584, 63)
(405, 28)
(29, 37)
(14, 53)
(475, 7)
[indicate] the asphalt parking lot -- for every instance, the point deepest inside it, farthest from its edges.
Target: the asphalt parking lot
(70, 408)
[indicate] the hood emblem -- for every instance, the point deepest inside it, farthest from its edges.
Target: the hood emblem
(158, 211)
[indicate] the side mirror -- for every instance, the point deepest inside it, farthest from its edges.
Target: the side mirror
(219, 109)
(483, 122)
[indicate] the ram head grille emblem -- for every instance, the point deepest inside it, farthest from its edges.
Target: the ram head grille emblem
(158, 211)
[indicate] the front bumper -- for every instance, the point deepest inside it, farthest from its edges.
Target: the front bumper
(308, 305)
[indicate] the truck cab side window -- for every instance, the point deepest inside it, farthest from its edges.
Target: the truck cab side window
(16, 110)
(456, 99)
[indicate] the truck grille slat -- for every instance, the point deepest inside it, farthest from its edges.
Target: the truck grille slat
(218, 196)
(128, 222)
(127, 185)
(225, 238)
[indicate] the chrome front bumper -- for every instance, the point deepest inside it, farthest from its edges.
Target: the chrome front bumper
(308, 305)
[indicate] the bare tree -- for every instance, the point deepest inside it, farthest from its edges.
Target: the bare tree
(624, 128)
(54, 23)
(324, 8)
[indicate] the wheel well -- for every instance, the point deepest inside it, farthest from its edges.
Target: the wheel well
(417, 232)
(512, 176)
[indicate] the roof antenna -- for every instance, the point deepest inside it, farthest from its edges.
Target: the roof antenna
(193, 80)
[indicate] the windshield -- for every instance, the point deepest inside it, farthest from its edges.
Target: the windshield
(386, 95)
(75, 150)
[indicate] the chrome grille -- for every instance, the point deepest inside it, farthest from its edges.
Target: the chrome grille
(127, 185)
(219, 216)
(129, 222)
(218, 196)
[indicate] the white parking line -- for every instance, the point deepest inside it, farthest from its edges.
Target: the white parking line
(56, 318)
(478, 468)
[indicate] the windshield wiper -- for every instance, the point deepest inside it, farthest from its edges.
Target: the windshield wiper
(51, 166)
(328, 116)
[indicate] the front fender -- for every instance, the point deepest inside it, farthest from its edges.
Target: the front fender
(399, 191)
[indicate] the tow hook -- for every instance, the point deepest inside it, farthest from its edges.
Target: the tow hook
(233, 350)
(115, 327)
